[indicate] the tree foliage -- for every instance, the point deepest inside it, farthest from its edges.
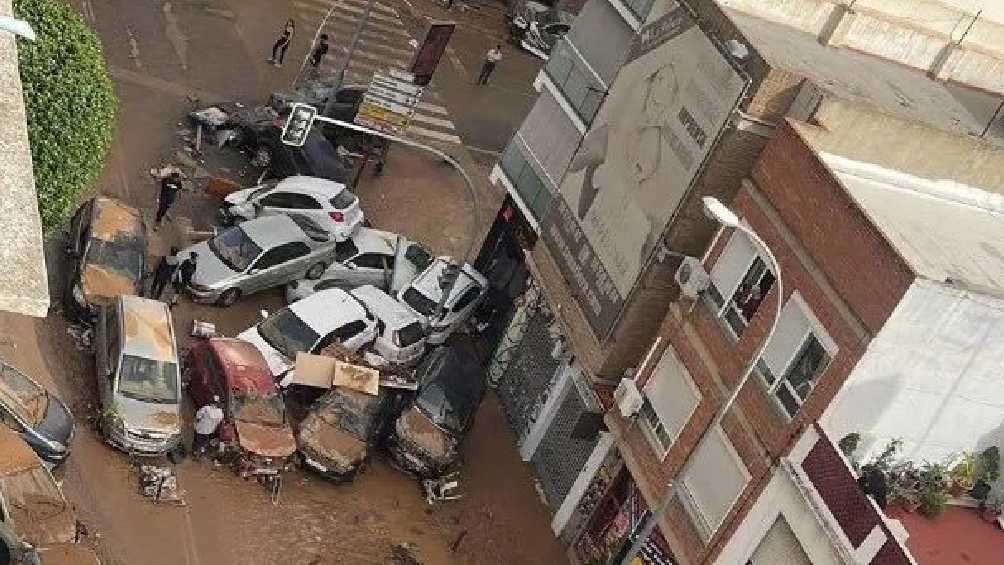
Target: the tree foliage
(70, 105)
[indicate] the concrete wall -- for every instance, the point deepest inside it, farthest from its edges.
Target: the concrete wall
(932, 377)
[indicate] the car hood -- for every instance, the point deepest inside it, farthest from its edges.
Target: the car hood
(413, 427)
(43, 522)
(338, 448)
(277, 362)
(149, 416)
(209, 271)
(267, 441)
(100, 284)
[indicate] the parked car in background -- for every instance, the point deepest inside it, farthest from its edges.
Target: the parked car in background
(257, 255)
(425, 437)
(316, 158)
(254, 416)
(310, 325)
(136, 360)
(38, 416)
(400, 337)
(537, 27)
(32, 508)
(328, 203)
(106, 243)
(424, 294)
(341, 428)
(370, 257)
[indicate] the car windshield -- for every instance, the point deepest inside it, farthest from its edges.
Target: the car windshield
(410, 334)
(22, 396)
(235, 249)
(434, 402)
(148, 380)
(287, 333)
(420, 302)
(343, 199)
(31, 497)
(264, 410)
(124, 255)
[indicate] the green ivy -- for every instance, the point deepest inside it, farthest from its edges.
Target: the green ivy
(70, 104)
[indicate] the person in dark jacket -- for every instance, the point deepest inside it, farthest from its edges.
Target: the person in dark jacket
(163, 272)
(282, 44)
(183, 277)
(169, 188)
(320, 51)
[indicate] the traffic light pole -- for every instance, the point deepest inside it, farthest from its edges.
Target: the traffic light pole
(329, 106)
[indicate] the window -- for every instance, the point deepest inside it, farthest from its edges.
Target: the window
(466, 298)
(373, 261)
(581, 89)
(343, 199)
(349, 330)
(290, 200)
(310, 228)
(712, 482)
(799, 351)
(345, 250)
(670, 400)
(282, 254)
(526, 179)
(740, 282)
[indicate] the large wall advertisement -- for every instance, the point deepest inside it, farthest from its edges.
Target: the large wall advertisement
(658, 123)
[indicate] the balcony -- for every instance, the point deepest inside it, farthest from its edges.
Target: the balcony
(526, 178)
(579, 86)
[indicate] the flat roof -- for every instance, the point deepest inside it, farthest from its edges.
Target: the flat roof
(24, 287)
(957, 536)
(895, 88)
(944, 230)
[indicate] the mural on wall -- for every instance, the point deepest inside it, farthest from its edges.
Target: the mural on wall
(660, 119)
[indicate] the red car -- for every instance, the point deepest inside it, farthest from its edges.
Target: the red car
(254, 418)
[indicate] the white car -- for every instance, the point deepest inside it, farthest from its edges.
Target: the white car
(400, 338)
(370, 257)
(424, 293)
(329, 203)
(310, 325)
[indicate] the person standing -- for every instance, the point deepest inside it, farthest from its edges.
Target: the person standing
(320, 51)
(282, 44)
(492, 58)
(169, 188)
(207, 423)
(183, 276)
(163, 272)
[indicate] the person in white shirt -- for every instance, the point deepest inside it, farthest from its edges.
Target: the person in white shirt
(207, 422)
(492, 58)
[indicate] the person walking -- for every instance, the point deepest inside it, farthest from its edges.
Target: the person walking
(163, 273)
(282, 44)
(183, 276)
(492, 58)
(319, 51)
(169, 188)
(207, 423)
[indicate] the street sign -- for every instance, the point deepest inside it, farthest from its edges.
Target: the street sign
(389, 102)
(431, 51)
(298, 124)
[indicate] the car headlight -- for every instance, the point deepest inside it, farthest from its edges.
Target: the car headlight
(199, 287)
(78, 294)
(54, 445)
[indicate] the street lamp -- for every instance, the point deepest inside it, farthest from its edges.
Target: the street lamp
(714, 209)
(17, 27)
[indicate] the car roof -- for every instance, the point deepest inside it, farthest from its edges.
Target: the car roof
(369, 240)
(111, 219)
(15, 455)
(148, 329)
(385, 307)
(460, 375)
(327, 310)
(303, 183)
(244, 367)
(427, 282)
(270, 231)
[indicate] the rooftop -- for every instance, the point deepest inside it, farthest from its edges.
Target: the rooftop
(958, 536)
(859, 77)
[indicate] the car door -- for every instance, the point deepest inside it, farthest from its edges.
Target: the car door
(107, 346)
(285, 202)
(463, 307)
(277, 266)
(198, 385)
(370, 268)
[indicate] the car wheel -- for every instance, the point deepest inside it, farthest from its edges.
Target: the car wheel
(229, 296)
(315, 271)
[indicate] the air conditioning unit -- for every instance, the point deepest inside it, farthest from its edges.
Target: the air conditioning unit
(692, 278)
(628, 398)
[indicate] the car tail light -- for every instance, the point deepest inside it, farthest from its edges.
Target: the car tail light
(337, 216)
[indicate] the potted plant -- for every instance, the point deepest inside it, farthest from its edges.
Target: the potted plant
(962, 476)
(991, 508)
(932, 483)
(848, 445)
(988, 469)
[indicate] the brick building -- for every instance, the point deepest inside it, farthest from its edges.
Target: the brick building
(891, 291)
(644, 108)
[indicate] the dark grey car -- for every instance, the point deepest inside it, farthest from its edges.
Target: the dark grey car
(37, 415)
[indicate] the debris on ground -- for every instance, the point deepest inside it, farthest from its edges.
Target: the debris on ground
(160, 484)
(83, 337)
(404, 554)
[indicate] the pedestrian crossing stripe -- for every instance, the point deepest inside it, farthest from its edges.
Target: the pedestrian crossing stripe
(433, 108)
(346, 8)
(414, 130)
(441, 122)
(343, 36)
(372, 27)
(380, 6)
(380, 59)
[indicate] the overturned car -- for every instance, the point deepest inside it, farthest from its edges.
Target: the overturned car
(426, 436)
(337, 435)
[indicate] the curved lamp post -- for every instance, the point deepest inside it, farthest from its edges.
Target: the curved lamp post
(714, 209)
(17, 27)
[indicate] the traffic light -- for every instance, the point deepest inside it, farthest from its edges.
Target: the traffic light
(298, 124)
(449, 275)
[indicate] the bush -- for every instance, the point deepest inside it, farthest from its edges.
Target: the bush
(70, 104)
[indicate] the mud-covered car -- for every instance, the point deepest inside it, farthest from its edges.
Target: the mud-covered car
(39, 416)
(254, 416)
(316, 158)
(427, 434)
(107, 246)
(341, 428)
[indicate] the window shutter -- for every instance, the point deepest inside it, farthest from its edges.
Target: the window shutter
(791, 330)
(732, 264)
(670, 393)
(714, 479)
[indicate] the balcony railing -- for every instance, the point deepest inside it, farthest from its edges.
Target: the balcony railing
(578, 84)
